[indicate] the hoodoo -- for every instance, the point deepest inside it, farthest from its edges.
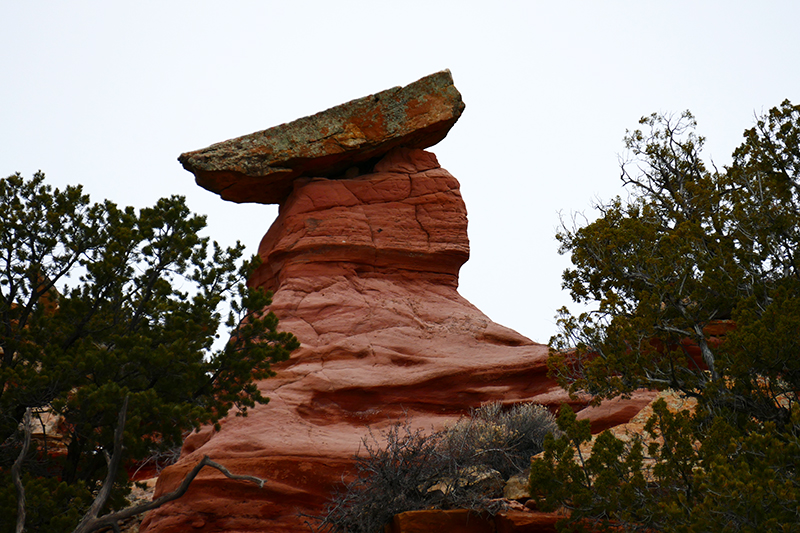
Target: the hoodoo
(363, 260)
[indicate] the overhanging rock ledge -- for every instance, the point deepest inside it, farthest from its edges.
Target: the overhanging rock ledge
(349, 138)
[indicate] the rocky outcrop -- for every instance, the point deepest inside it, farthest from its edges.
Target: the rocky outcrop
(261, 167)
(407, 216)
(365, 273)
(463, 521)
(364, 270)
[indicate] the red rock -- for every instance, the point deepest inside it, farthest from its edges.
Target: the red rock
(365, 273)
(526, 522)
(260, 167)
(407, 217)
(616, 411)
(455, 521)
(463, 521)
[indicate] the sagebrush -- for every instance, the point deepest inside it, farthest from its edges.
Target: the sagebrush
(463, 466)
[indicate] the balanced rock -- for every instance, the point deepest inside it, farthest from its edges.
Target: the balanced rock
(260, 167)
(364, 270)
(365, 273)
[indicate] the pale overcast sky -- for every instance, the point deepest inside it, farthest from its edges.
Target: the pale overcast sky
(108, 94)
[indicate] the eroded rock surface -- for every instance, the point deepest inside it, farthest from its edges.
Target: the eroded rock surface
(351, 137)
(365, 273)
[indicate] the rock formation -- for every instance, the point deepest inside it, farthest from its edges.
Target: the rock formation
(364, 268)
(260, 167)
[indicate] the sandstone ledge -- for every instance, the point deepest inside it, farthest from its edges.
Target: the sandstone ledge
(261, 166)
(463, 521)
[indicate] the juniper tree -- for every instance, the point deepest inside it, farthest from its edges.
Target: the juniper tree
(693, 283)
(100, 303)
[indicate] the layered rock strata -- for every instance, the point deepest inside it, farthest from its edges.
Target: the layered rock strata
(365, 273)
(364, 268)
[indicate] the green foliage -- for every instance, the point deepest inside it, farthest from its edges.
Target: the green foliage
(599, 485)
(695, 286)
(98, 302)
(411, 470)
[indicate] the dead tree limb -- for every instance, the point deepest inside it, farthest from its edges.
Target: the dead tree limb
(111, 520)
(91, 522)
(16, 470)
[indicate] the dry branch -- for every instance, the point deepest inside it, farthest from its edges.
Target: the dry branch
(16, 470)
(91, 522)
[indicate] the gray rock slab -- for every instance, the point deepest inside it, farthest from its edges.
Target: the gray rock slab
(346, 139)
